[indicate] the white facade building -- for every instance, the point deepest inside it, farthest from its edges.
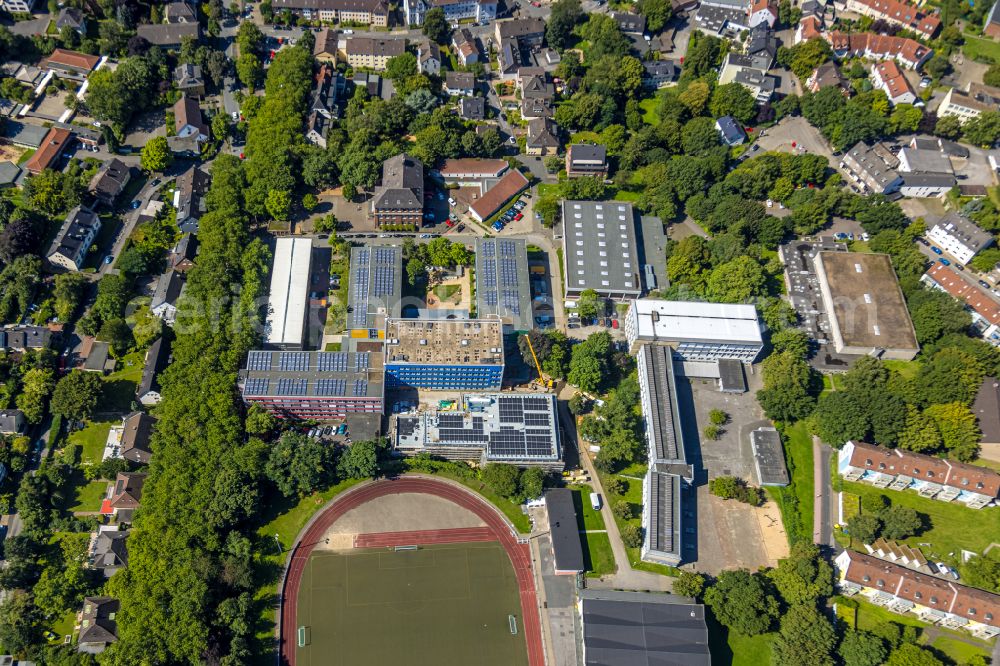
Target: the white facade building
(289, 290)
(959, 236)
(697, 331)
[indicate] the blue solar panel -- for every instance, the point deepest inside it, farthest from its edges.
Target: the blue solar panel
(360, 387)
(293, 361)
(259, 361)
(331, 387)
(256, 386)
(332, 361)
(292, 386)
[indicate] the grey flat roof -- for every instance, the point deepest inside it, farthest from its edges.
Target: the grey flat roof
(769, 457)
(663, 531)
(599, 247)
(502, 286)
(643, 629)
(375, 286)
(731, 375)
(563, 529)
(25, 134)
(663, 427)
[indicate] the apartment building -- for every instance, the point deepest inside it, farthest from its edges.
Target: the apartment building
(979, 303)
(959, 236)
(929, 476)
(872, 169)
(887, 77)
(77, 234)
(933, 600)
(742, 69)
(479, 11)
(907, 52)
(969, 103)
(400, 197)
(586, 159)
(898, 13)
(371, 52)
(368, 12)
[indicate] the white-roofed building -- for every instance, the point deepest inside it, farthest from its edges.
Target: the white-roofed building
(697, 331)
(289, 292)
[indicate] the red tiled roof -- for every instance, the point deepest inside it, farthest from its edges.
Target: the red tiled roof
(974, 297)
(972, 478)
(73, 59)
(926, 24)
(512, 183)
(760, 5)
(810, 27)
(52, 147)
(881, 46)
(893, 78)
(922, 589)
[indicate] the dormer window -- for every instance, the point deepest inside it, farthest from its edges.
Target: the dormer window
(881, 465)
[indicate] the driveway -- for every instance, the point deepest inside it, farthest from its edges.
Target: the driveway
(797, 129)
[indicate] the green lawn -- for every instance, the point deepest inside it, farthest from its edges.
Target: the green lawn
(91, 441)
(958, 646)
(958, 650)
(750, 650)
(120, 385)
(63, 625)
(953, 526)
(649, 107)
(87, 496)
(445, 291)
(586, 517)
(977, 46)
(908, 369)
(633, 495)
(796, 499)
(625, 195)
(597, 555)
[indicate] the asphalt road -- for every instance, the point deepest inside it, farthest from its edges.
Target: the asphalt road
(39, 433)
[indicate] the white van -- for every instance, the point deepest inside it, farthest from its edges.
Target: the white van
(595, 501)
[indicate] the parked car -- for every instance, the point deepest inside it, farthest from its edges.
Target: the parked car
(960, 267)
(108, 259)
(936, 250)
(984, 284)
(922, 240)
(614, 323)
(945, 261)
(452, 201)
(519, 216)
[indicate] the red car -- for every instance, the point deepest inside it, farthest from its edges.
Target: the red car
(519, 216)
(450, 223)
(614, 323)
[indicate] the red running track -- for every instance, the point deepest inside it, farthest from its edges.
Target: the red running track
(520, 554)
(424, 537)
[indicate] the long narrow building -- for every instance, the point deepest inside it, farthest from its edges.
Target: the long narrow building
(286, 317)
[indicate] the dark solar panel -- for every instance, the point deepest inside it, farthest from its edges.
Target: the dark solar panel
(259, 361)
(360, 387)
(292, 386)
(332, 361)
(331, 387)
(257, 386)
(450, 420)
(361, 361)
(293, 361)
(536, 419)
(536, 404)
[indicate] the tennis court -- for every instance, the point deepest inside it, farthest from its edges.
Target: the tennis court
(440, 604)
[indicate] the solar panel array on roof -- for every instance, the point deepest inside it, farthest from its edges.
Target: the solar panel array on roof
(498, 277)
(374, 273)
(360, 387)
(293, 361)
(257, 386)
(332, 361)
(331, 387)
(359, 288)
(292, 386)
(361, 361)
(258, 361)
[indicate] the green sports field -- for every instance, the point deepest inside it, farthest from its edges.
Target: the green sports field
(444, 604)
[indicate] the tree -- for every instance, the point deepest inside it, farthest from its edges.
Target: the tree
(899, 522)
(19, 237)
(983, 571)
(615, 486)
(563, 18)
(657, 13)
(959, 432)
(741, 602)
(156, 155)
(732, 99)
(949, 127)
(259, 421)
(622, 509)
(840, 417)
(117, 334)
(532, 482)
(689, 584)
(360, 461)
(68, 290)
(436, 26)
(278, 204)
(910, 654)
(792, 340)
(804, 576)
(718, 417)
(788, 387)
(631, 535)
(52, 192)
(19, 622)
(502, 478)
(589, 304)
(36, 385)
(76, 395)
(983, 130)
(806, 637)
(737, 281)
(864, 527)
(401, 67)
(920, 432)
(695, 97)
(249, 70)
(860, 648)
(299, 465)
(309, 201)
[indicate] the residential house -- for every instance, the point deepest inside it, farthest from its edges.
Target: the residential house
(374, 85)
(429, 58)
(183, 255)
(70, 64)
(730, 131)
(137, 428)
(371, 52)
(968, 104)
(887, 77)
(510, 185)
(658, 73)
(537, 97)
(20, 338)
(898, 13)
(110, 181)
(629, 23)
(933, 600)
(126, 492)
(472, 108)
(460, 83)
(901, 554)
(367, 12)
(543, 138)
(959, 236)
(165, 296)
(478, 11)
(317, 126)
(73, 18)
(464, 44)
(826, 76)
(327, 92)
(12, 421)
(762, 46)
(809, 27)
(107, 551)
(978, 302)
(400, 197)
(55, 142)
(95, 356)
(169, 35)
(762, 12)
(179, 12)
(741, 69)
(991, 28)
(188, 79)
(586, 159)
(325, 48)
(157, 358)
(189, 198)
(907, 52)
(98, 628)
(70, 246)
(190, 129)
(871, 169)
(930, 476)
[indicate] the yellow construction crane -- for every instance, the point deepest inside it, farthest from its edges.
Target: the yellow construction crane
(546, 382)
